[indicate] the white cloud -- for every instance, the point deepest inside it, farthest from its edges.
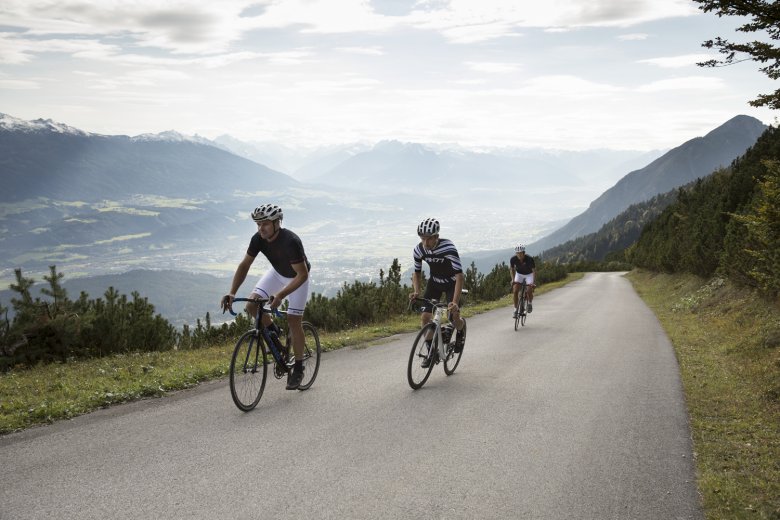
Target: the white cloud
(570, 86)
(187, 26)
(327, 87)
(516, 72)
(13, 50)
(370, 51)
(676, 62)
(467, 21)
(322, 16)
(493, 68)
(18, 84)
(633, 37)
(178, 26)
(696, 83)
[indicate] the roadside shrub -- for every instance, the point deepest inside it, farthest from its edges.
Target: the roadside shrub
(57, 328)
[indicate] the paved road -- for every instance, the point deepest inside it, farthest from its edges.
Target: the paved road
(579, 415)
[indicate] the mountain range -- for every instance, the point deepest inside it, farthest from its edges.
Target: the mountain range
(51, 160)
(104, 205)
(693, 159)
(696, 158)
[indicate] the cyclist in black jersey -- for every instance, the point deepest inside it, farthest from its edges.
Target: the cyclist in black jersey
(288, 278)
(446, 276)
(522, 267)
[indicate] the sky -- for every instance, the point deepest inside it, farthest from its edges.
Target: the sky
(558, 74)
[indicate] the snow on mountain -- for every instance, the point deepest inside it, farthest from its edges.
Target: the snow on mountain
(173, 136)
(13, 124)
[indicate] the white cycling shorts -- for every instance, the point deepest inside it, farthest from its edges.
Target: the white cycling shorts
(272, 282)
(529, 278)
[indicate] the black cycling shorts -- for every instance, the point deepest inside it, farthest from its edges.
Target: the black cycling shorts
(434, 290)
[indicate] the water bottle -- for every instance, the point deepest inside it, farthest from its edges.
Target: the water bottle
(446, 333)
(273, 332)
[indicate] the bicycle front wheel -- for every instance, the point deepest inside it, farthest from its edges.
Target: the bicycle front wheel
(523, 307)
(517, 317)
(248, 371)
(416, 373)
(311, 355)
(453, 358)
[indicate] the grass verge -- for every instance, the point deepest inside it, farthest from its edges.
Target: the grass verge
(727, 342)
(46, 393)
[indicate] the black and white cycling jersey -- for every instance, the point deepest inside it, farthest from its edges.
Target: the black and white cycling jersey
(443, 260)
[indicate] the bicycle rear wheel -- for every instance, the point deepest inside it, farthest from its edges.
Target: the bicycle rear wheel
(311, 355)
(416, 373)
(248, 371)
(453, 358)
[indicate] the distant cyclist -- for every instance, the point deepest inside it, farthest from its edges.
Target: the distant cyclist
(522, 267)
(288, 278)
(446, 276)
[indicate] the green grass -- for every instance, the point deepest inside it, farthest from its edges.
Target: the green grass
(727, 342)
(46, 393)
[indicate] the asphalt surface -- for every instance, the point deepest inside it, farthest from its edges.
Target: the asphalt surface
(578, 415)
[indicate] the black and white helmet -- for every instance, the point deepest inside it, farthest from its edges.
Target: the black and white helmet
(519, 248)
(428, 227)
(267, 212)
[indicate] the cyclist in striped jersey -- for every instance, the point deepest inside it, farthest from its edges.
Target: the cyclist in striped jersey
(446, 275)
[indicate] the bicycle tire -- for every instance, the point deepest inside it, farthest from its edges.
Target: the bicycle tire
(453, 358)
(517, 317)
(523, 305)
(311, 355)
(248, 371)
(415, 373)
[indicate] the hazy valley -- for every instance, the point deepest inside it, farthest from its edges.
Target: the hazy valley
(99, 205)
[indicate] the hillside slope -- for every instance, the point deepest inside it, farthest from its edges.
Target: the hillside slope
(694, 159)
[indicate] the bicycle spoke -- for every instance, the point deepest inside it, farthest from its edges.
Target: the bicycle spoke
(311, 355)
(453, 358)
(247, 371)
(416, 374)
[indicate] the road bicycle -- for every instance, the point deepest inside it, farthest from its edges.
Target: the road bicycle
(522, 305)
(260, 347)
(442, 346)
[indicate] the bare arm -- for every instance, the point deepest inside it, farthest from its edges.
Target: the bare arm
(238, 278)
(415, 285)
(241, 271)
(458, 287)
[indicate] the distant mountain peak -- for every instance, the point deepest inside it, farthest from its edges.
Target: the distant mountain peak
(394, 146)
(694, 159)
(13, 124)
(172, 136)
(736, 124)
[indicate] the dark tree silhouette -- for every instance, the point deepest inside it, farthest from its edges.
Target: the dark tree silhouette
(764, 19)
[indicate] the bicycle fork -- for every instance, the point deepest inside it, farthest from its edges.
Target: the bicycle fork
(253, 341)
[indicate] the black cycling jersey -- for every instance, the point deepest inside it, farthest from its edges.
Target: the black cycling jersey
(527, 266)
(443, 261)
(283, 252)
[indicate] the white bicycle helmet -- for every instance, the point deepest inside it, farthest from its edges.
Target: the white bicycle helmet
(519, 248)
(267, 212)
(428, 227)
